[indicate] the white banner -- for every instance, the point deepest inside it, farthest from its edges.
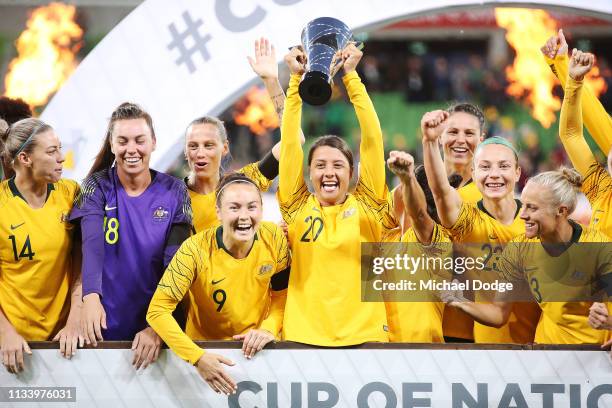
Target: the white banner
(330, 378)
(184, 59)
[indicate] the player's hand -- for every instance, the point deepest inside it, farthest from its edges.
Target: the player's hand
(284, 227)
(93, 319)
(12, 346)
(453, 298)
(264, 64)
(296, 60)
(401, 164)
(351, 56)
(580, 64)
(210, 369)
(146, 347)
(433, 124)
(254, 341)
(70, 337)
(555, 45)
(598, 316)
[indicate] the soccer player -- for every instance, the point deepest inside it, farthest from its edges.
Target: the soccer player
(326, 228)
(596, 119)
(418, 321)
(133, 220)
(597, 185)
(489, 223)
(235, 276)
(40, 287)
(549, 259)
(206, 145)
(464, 131)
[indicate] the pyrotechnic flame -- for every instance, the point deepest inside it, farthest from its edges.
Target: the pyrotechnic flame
(46, 54)
(259, 114)
(529, 78)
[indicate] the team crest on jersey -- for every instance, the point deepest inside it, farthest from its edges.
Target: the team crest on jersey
(160, 214)
(267, 268)
(348, 213)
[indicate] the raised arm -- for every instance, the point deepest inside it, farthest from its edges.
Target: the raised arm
(570, 121)
(596, 119)
(448, 201)
(371, 149)
(413, 198)
(291, 166)
(266, 67)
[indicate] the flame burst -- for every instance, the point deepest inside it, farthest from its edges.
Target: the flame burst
(46, 54)
(259, 114)
(529, 77)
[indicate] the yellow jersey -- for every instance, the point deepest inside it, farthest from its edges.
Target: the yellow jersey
(455, 322)
(597, 183)
(596, 119)
(419, 322)
(485, 237)
(574, 273)
(324, 305)
(225, 296)
(204, 205)
(36, 259)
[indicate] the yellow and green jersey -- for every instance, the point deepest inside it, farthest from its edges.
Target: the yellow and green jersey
(36, 259)
(575, 273)
(225, 296)
(419, 321)
(485, 237)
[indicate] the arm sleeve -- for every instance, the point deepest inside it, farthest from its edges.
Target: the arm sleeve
(178, 234)
(596, 119)
(172, 287)
(262, 172)
(570, 129)
(92, 235)
(292, 191)
(468, 215)
(371, 150)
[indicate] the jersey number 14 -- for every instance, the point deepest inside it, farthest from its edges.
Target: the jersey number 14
(26, 250)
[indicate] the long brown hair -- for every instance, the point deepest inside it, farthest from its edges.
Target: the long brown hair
(127, 110)
(18, 138)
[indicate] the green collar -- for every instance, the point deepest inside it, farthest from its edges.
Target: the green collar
(482, 208)
(16, 193)
(220, 244)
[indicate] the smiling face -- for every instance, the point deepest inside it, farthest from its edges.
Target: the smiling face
(540, 218)
(132, 143)
(240, 210)
(460, 138)
(46, 158)
(496, 171)
(330, 174)
(204, 150)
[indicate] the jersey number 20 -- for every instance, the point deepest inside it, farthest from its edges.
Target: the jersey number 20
(314, 229)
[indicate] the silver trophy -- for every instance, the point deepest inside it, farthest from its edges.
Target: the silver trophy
(322, 38)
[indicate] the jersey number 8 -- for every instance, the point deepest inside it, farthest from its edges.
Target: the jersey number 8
(111, 228)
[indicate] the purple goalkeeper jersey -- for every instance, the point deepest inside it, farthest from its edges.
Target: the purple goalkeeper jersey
(135, 234)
